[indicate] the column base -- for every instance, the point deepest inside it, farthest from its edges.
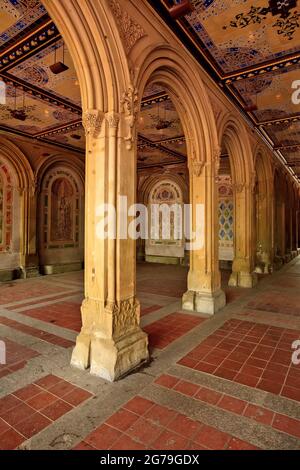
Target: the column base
(108, 358)
(243, 279)
(288, 257)
(30, 272)
(112, 359)
(204, 302)
(81, 353)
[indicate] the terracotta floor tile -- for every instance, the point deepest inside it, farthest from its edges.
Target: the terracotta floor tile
(122, 419)
(184, 426)
(144, 431)
(167, 381)
(42, 400)
(103, 438)
(168, 440)
(10, 440)
(186, 388)
(160, 415)
(209, 396)
(56, 410)
(77, 396)
(17, 414)
(262, 415)
(212, 438)
(139, 405)
(32, 425)
(232, 404)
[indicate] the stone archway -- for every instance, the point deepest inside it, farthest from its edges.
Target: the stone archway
(18, 200)
(264, 212)
(60, 188)
(165, 67)
(233, 137)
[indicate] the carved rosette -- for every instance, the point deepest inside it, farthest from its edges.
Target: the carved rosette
(92, 122)
(130, 31)
(125, 316)
(129, 104)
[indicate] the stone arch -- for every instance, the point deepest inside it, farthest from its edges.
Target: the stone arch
(143, 197)
(264, 211)
(165, 66)
(60, 186)
(233, 136)
(17, 193)
(89, 30)
(149, 183)
(169, 68)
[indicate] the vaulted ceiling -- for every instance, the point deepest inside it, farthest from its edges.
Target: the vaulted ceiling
(252, 50)
(29, 44)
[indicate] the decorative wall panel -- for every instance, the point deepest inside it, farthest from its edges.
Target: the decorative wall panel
(226, 219)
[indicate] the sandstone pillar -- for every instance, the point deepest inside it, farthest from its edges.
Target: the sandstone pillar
(111, 341)
(243, 274)
(204, 281)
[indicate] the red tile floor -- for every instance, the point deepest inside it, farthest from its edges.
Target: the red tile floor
(64, 314)
(221, 382)
(235, 405)
(16, 357)
(251, 354)
(31, 409)
(163, 332)
(142, 425)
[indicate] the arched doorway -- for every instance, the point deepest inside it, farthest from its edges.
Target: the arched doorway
(235, 142)
(165, 68)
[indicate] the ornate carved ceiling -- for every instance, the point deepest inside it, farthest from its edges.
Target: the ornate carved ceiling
(29, 44)
(252, 49)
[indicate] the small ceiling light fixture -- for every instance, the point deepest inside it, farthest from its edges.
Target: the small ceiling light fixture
(19, 114)
(58, 67)
(181, 8)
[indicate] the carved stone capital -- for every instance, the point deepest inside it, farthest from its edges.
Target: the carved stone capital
(129, 30)
(197, 167)
(92, 122)
(113, 120)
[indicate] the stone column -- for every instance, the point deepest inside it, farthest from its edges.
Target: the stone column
(29, 257)
(204, 280)
(111, 341)
(264, 233)
(243, 266)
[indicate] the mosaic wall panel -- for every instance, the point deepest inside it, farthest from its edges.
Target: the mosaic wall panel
(226, 219)
(60, 210)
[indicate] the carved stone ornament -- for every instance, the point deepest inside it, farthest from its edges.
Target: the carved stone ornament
(125, 316)
(130, 31)
(92, 122)
(239, 187)
(129, 103)
(197, 167)
(113, 120)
